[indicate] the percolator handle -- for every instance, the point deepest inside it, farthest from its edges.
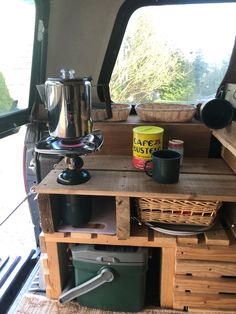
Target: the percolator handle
(105, 275)
(88, 104)
(107, 98)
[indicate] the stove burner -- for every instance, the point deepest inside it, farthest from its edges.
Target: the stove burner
(69, 144)
(71, 149)
(73, 145)
(76, 146)
(75, 142)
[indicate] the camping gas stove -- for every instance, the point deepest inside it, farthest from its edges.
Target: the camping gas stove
(72, 149)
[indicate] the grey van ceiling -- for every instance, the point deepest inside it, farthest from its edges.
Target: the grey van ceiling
(78, 42)
(79, 33)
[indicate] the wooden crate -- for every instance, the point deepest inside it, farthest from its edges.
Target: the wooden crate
(56, 262)
(55, 245)
(205, 276)
(114, 177)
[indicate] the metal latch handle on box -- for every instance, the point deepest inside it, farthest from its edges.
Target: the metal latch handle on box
(105, 275)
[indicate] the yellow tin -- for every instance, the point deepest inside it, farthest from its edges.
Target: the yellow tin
(146, 140)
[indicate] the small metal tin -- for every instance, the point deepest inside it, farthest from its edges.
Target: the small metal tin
(178, 146)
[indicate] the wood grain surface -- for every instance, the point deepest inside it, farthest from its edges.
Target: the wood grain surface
(212, 187)
(118, 136)
(227, 137)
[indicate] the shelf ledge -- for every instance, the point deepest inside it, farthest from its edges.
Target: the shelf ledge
(227, 137)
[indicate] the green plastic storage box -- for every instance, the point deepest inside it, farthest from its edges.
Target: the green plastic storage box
(110, 277)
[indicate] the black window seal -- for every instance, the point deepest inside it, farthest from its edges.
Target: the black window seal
(118, 31)
(38, 72)
(10, 122)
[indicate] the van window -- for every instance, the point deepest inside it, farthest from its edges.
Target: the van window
(174, 53)
(17, 20)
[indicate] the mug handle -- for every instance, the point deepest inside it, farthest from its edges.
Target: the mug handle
(148, 171)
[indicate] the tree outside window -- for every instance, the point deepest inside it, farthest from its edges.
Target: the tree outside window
(154, 65)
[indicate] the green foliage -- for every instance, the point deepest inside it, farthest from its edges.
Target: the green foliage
(149, 68)
(181, 87)
(5, 98)
(207, 76)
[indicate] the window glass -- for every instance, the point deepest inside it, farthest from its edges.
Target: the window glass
(174, 53)
(17, 19)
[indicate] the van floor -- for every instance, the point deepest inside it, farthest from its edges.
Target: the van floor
(32, 300)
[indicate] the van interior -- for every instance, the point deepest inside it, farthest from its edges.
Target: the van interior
(118, 156)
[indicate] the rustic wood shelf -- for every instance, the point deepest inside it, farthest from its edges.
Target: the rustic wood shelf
(115, 177)
(200, 179)
(118, 135)
(146, 237)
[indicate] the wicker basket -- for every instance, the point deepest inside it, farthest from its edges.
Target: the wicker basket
(165, 112)
(185, 212)
(120, 112)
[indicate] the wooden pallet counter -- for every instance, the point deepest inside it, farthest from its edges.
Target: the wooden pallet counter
(209, 180)
(200, 179)
(116, 180)
(185, 263)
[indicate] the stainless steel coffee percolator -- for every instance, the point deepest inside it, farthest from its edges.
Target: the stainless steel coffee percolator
(69, 101)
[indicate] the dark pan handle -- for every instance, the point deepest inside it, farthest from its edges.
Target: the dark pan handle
(107, 98)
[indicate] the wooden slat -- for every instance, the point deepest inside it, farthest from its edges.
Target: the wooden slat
(213, 253)
(123, 217)
(47, 278)
(44, 260)
(118, 136)
(159, 237)
(227, 137)
(204, 301)
(46, 274)
(42, 243)
(229, 158)
(193, 239)
(46, 215)
(216, 236)
(124, 163)
(200, 311)
(205, 285)
(206, 268)
(132, 184)
(57, 261)
(105, 162)
(85, 236)
(54, 278)
(167, 277)
(205, 166)
(139, 236)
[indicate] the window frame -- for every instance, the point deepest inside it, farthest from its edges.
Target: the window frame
(10, 122)
(118, 31)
